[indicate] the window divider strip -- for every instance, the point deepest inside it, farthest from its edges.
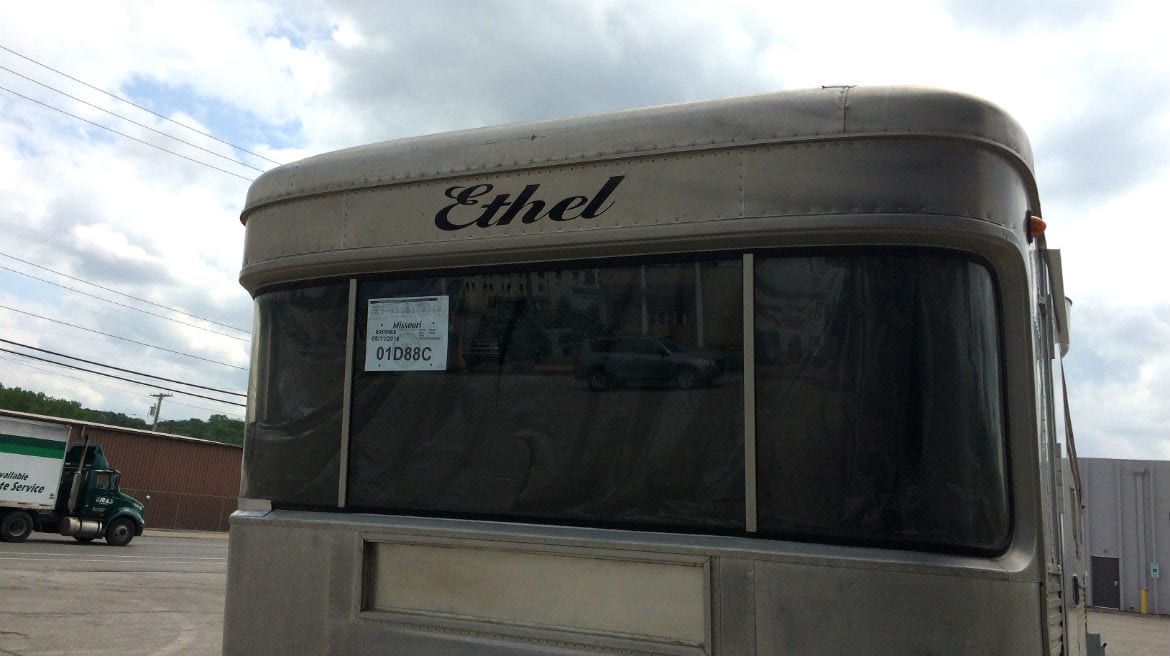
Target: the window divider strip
(347, 394)
(749, 392)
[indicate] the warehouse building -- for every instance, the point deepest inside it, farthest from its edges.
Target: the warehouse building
(192, 484)
(1127, 529)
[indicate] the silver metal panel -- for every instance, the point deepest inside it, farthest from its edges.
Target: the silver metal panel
(373, 639)
(766, 118)
(804, 610)
(346, 581)
(475, 587)
(1015, 565)
(515, 590)
(379, 225)
(1076, 580)
(900, 110)
(962, 179)
(1054, 612)
(717, 200)
(631, 133)
(1061, 305)
(310, 227)
(286, 568)
(734, 600)
(253, 505)
(406, 214)
(688, 169)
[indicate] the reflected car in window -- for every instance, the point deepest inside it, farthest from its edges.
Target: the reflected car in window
(612, 362)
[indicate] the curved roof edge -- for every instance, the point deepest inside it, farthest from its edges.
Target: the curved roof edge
(787, 116)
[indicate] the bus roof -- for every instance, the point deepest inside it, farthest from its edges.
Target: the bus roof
(822, 166)
(781, 117)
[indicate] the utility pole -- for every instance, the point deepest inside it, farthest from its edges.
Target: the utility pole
(157, 408)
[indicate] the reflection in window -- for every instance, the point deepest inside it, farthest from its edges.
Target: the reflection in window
(514, 428)
(879, 400)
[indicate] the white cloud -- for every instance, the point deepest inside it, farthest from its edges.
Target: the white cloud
(102, 237)
(1089, 82)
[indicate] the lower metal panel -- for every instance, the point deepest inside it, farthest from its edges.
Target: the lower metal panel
(616, 599)
(307, 583)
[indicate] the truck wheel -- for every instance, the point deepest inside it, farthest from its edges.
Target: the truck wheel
(16, 527)
(120, 532)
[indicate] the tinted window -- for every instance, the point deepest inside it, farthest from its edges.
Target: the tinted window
(511, 428)
(613, 396)
(879, 411)
(294, 411)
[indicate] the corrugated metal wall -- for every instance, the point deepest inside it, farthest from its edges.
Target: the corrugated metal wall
(192, 484)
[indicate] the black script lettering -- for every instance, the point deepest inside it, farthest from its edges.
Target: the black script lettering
(522, 200)
(464, 196)
(594, 209)
(557, 212)
(513, 208)
(529, 210)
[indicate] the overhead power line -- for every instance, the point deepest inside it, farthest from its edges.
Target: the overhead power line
(140, 125)
(57, 373)
(112, 388)
(156, 146)
(128, 340)
(125, 379)
(110, 301)
(119, 292)
(192, 406)
(132, 372)
(130, 102)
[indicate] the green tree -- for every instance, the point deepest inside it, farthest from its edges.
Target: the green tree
(218, 428)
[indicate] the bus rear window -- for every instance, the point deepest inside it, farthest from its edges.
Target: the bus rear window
(879, 410)
(293, 435)
(606, 396)
(614, 396)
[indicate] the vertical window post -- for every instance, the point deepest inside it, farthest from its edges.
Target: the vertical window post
(350, 327)
(749, 392)
(700, 338)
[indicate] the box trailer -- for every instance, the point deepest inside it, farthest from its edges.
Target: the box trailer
(48, 486)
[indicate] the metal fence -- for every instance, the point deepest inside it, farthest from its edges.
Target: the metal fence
(184, 511)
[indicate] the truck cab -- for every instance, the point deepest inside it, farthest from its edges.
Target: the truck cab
(92, 504)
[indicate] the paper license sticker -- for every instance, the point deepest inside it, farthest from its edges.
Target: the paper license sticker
(407, 334)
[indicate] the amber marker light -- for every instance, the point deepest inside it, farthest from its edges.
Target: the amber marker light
(1036, 226)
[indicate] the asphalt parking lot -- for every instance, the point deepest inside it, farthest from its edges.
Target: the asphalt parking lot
(163, 595)
(160, 595)
(1130, 634)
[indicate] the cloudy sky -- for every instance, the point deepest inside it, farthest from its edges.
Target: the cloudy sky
(258, 83)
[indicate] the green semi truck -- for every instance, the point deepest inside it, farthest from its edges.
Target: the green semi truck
(48, 486)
